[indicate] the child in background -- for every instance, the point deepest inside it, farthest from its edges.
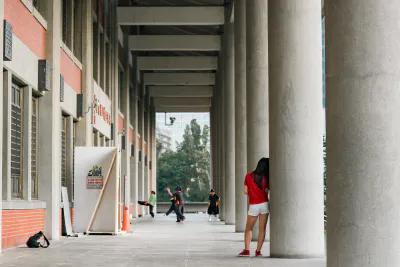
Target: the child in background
(151, 202)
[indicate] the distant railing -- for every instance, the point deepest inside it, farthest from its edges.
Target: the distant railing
(190, 207)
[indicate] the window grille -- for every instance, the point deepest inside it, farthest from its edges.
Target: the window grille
(34, 147)
(16, 141)
(64, 20)
(63, 153)
(35, 4)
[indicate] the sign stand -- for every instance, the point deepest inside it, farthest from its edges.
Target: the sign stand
(96, 196)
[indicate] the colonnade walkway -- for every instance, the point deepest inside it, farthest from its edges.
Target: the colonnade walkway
(153, 242)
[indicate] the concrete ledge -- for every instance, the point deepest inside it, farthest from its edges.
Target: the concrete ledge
(162, 207)
(23, 205)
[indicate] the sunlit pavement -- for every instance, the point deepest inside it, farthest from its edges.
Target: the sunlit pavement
(153, 242)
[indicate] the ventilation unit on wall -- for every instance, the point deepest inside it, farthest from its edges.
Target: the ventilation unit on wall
(112, 131)
(80, 105)
(140, 156)
(132, 150)
(123, 142)
(61, 88)
(7, 41)
(44, 75)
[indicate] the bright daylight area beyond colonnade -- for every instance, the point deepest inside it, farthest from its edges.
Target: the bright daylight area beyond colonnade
(199, 133)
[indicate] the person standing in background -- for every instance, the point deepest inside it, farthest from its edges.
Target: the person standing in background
(213, 208)
(178, 197)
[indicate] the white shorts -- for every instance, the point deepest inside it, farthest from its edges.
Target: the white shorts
(257, 209)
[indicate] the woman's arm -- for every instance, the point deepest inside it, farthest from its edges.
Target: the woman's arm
(246, 190)
(169, 192)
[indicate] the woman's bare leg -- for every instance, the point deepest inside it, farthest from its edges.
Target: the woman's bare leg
(262, 229)
(251, 220)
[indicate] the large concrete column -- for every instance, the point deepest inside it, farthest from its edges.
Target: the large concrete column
(141, 133)
(49, 176)
(240, 115)
(362, 114)
(153, 152)
(229, 123)
(1, 112)
(134, 159)
(84, 129)
(222, 129)
(297, 207)
(115, 71)
(257, 85)
(126, 153)
(146, 151)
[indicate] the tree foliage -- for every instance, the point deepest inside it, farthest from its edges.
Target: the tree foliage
(188, 166)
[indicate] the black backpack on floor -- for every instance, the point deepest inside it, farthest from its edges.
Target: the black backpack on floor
(34, 241)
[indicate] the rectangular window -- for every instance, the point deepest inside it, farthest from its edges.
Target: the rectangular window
(95, 53)
(34, 180)
(121, 97)
(64, 152)
(16, 141)
(64, 21)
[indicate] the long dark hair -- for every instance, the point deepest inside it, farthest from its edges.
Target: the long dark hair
(261, 172)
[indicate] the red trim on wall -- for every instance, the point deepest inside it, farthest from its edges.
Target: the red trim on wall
(139, 144)
(120, 123)
(95, 6)
(101, 13)
(131, 135)
(26, 27)
(19, 225)
(71, 72)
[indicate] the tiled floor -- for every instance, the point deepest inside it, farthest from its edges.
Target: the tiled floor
(153, 242)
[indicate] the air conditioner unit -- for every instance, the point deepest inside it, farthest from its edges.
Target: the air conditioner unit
(132, 150)
(80, 105)
(43, 75)
(61, 88)
(7, 41)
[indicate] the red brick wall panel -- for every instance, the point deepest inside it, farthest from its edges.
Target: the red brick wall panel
(101, 12)
(26, 27)
(71, 72)
(131, 135)
(19, 225)
(120, 123)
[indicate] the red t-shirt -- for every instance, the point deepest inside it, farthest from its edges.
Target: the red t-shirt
(256, 195)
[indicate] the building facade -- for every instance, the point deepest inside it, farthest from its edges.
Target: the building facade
(68, 80)
(164, 137)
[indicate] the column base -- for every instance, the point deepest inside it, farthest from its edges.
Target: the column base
(298, 257)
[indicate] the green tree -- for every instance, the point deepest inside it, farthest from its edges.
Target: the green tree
(188, 166)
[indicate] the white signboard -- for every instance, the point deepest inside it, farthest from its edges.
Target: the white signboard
(102, 111)
(96, 209)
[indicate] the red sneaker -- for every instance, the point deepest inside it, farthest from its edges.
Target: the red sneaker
(183, 218)
(258, 254)
(244, 253)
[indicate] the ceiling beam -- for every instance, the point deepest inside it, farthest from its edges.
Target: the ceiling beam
(183, 109)
(179, 78)
(182, 102)
(174, 42)
(174, 16)
(177, 63)
(181, 91)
